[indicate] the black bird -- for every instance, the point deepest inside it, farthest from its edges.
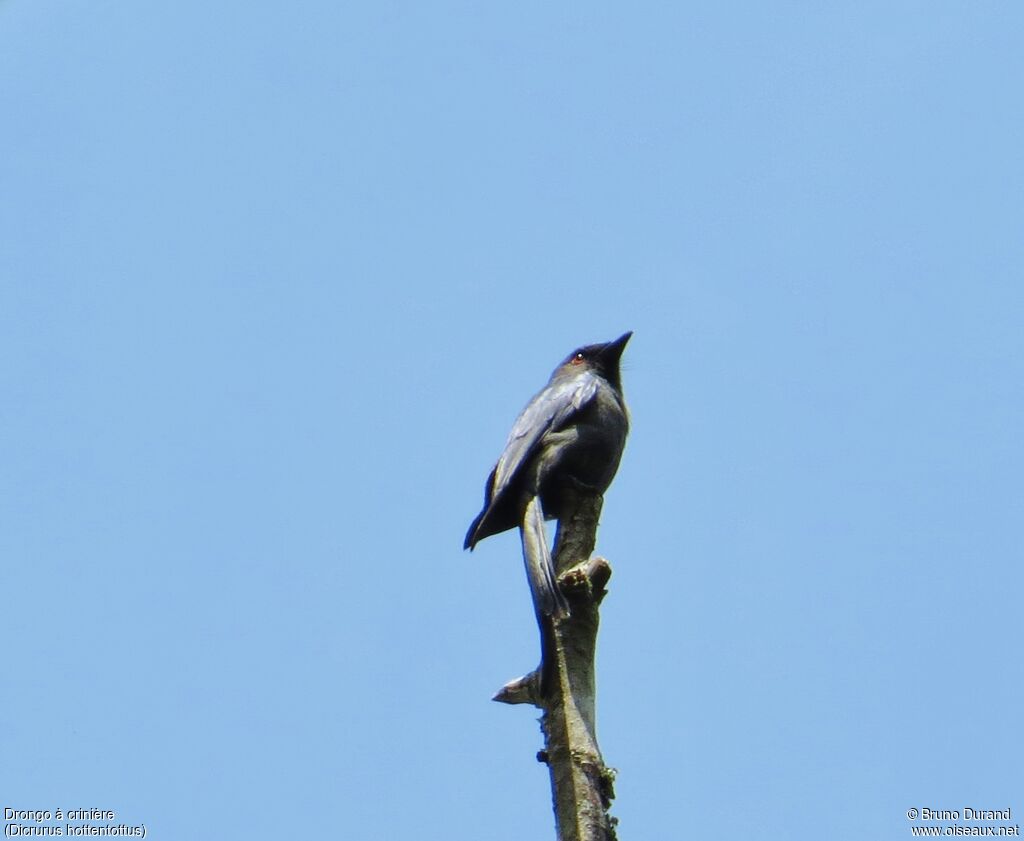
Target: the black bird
(570, 435)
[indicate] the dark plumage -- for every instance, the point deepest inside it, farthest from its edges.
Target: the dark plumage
(571, 434)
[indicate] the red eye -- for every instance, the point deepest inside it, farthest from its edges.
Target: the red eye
(577, 359)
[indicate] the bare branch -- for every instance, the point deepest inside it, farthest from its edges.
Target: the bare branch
(564, 685)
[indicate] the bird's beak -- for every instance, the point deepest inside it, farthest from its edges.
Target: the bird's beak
(613, 350)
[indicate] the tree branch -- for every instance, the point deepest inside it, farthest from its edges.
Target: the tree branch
(564, 685)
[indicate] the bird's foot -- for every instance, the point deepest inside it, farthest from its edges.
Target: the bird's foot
(582, 487)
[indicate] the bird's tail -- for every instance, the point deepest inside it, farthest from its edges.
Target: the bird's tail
(540, 569)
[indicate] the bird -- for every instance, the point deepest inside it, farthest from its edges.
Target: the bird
(570, 437)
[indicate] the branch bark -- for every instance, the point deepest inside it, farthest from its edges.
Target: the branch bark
(564, 685)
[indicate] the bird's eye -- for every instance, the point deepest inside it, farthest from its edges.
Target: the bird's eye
(578, 358)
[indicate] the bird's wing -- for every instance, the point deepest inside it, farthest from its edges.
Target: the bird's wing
(550, 409)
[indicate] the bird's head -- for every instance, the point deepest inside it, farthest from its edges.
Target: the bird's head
(602, 359)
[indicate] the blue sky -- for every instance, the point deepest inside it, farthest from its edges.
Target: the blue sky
(276, 279)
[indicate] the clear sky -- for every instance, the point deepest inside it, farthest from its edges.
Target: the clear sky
(275, 280)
